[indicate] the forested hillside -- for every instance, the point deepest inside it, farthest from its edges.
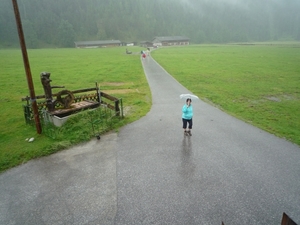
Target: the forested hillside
(61, 22)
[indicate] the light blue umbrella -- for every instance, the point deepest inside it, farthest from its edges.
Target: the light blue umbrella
(186, 96)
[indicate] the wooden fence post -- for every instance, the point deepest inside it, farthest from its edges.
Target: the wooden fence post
(117, 108)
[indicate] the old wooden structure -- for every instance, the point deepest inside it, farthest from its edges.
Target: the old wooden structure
(66, 102)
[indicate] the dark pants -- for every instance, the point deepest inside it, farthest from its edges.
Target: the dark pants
(185, 122)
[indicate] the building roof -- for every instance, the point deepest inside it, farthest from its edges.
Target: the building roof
(171, 38)
(105, 42)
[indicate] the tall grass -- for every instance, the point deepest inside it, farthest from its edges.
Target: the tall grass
(75, 69)
(259, 84)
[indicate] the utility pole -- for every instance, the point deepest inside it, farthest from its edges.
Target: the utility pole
(27, 68)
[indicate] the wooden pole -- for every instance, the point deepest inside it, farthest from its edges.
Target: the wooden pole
(27, 67)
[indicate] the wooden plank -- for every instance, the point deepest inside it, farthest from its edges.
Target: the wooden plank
(286, 220)
(108, 105)
(108, 96)
(76, 107)
(54, 95)
(84, 90)
(112, 98)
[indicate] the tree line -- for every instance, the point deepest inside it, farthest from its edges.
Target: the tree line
(61, 22)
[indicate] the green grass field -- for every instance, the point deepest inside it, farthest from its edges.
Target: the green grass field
(75, 69)
(259, 84)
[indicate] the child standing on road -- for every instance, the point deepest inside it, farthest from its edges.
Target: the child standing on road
(187, 117)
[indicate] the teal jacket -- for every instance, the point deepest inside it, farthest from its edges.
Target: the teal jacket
(187, 112)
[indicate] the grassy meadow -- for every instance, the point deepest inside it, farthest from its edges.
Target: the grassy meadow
(259, 84)
(117, 73)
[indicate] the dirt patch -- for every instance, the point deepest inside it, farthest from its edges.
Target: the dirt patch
(279, 98)
(114, 84)
(120, 91)
(289, 97)
(273, 98)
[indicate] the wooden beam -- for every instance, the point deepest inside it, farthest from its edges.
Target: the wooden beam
(27, 68)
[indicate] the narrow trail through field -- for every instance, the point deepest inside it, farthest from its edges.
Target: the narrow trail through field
(150, 173)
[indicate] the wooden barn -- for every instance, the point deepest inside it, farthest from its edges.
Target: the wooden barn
(170, 40)
(98, 44)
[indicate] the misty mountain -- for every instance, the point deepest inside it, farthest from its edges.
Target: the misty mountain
(61, 22)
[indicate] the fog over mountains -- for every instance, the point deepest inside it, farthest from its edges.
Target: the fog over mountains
(61, 22)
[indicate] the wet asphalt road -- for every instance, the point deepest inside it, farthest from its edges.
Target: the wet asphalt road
(149, 173)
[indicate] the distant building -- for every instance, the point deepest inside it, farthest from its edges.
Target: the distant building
(171, 40)
(98, 44)
(146, 44)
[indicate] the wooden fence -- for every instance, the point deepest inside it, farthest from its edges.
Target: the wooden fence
(94, 96)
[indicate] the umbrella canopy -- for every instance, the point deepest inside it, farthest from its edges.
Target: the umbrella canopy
(186, 96)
